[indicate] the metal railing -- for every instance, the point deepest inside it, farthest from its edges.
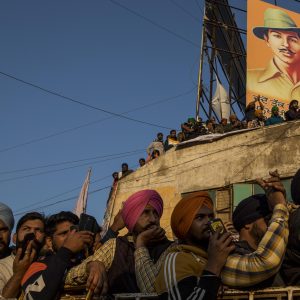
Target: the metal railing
(287, 293)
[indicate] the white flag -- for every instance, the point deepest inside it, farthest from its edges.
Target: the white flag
(220, 102)
(82, 199)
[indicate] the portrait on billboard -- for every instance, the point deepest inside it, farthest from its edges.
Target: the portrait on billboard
(273, 62)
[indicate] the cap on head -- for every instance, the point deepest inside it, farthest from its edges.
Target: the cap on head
(249, 210)
(275, 19)
(6, 216)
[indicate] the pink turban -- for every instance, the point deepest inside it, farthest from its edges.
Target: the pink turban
(134, 206)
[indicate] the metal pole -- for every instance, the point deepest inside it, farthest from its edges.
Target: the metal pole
(211, 68)
(203, 43)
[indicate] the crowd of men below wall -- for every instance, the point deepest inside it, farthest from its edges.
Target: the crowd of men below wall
(254, 117)
(259, 249)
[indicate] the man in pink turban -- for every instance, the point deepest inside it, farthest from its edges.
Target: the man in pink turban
(135, 205)
(130, 263)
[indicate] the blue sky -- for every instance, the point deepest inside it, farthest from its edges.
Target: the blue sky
(101, 54)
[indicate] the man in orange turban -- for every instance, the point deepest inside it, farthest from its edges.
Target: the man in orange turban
(198, 255)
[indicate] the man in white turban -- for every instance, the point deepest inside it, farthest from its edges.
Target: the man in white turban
(6, 226)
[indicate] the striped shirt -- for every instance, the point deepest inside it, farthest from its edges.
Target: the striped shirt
(250, 269)
(182, 276)
(6, 270)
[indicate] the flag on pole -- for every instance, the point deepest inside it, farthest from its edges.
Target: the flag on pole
(220, 102)
(82, 199)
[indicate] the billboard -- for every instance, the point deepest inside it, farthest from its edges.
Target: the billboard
(273, 55)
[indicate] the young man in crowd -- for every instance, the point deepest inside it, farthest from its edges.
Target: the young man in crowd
(125, 171)
(142, 162)
(191, 270)
(235, 123)
(13, 267)
(121, 258)
(6, 226)
(157, 144)
(44, 278)
(262, 223)
(275, 117)
(293, 113)
(171, 140)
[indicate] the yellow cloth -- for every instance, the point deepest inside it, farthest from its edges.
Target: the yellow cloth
(272, 82)
(182, 262)
(185, 211)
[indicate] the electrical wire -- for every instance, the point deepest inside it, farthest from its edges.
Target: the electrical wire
(154, 23)
(61, 201)
(74, 101)
(70, 162)
(60, 194)
(62, 169)
(186, 11)
(94, 122)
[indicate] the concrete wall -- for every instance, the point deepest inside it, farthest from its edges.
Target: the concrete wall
(240, 157)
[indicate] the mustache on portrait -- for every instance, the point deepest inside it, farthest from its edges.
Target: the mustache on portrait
(286, 50)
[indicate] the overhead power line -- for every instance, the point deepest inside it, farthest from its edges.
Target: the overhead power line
(36, 140)
(60, 194)
(185, 11)
(62, 169)
(61, 201)
(72, 100)
(155, 23)
(72, 161)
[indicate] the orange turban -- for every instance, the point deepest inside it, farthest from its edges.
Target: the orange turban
(185, 211)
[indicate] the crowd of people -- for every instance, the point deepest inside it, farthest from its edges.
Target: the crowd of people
(50, 254)
(254, 117)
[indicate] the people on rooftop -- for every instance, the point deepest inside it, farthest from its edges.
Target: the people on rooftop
(251, 108)
(294, 112)
(125, 171)
(157, 144)
(171, 140)
(142, 162)
(275, 117)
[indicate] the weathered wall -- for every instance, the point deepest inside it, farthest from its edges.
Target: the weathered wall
(240, 157)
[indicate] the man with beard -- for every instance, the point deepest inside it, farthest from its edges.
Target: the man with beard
(281, 77)
(293, 113)
(262, 223)
(191, 270)
(45, 277)
(6, 226)
(122, 258)
(13, 267)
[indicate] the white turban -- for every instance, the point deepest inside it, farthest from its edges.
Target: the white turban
(6, 216)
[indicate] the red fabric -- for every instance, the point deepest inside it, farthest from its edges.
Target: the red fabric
(34, 268)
